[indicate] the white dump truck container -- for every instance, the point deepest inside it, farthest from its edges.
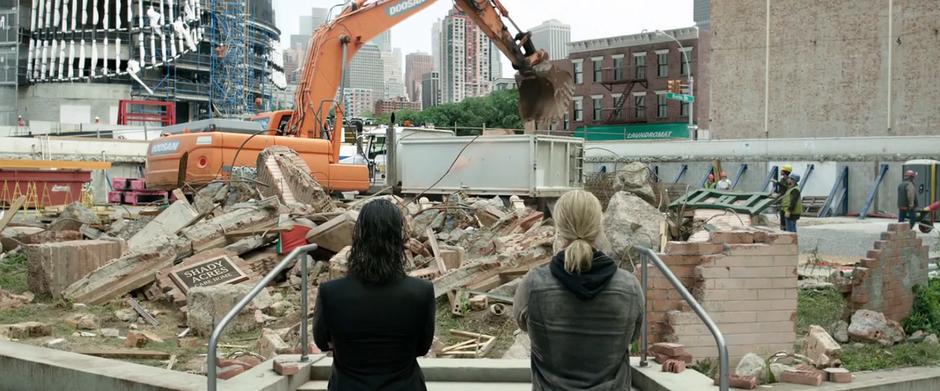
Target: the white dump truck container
(523, 165)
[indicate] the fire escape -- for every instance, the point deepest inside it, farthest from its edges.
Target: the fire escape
(615, 80)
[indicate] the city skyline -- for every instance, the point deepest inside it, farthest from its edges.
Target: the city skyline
(413, 35)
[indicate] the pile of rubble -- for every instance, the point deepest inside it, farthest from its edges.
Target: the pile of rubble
(198, 258)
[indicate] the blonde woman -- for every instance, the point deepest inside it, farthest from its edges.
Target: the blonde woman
(581, 311)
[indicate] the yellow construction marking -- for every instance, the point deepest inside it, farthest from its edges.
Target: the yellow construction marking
(58, 164)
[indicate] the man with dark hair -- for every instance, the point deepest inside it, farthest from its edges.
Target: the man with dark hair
(376, 320)
(907, 198)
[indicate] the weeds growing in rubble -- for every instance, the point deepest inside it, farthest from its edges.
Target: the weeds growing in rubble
(820, 307)
(925, 314)
(866, 357)
(13, 273)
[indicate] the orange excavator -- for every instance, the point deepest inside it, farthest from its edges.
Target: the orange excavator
(203, 151)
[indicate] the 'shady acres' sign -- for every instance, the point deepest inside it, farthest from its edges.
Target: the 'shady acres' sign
(215, 271)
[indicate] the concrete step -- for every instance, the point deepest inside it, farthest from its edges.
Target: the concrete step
(320, 385)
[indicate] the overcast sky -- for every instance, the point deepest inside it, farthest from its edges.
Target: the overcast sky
(588, 18)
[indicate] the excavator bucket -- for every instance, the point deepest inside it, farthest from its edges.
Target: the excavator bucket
(544, 93)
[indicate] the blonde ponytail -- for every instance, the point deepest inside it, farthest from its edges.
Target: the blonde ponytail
(577, 216)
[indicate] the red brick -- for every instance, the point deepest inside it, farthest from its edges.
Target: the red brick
(286, 368)
(899, 227)
(805, 377)
(742, 382)
(761, 249)
(873, 254)
(250, 361)
(889, 236)
(136, 339)
(229, 372)
(780, 238)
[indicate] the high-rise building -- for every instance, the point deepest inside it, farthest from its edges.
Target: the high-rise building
(436, 44)
(416, 65)
(430, 90)
(496, 63)
(359, 102)
(383, 41)
(310, 23)
(366, 71)
(466, 69)
(553, 36)
(394, 81)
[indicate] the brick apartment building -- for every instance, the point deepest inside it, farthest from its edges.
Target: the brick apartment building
(621, 82)
(392, 105)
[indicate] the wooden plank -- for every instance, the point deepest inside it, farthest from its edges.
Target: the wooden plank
(436, 251)
(178, 193)
(142, 312)
(169, 365)
(126, 353)
(8, 215)
(57, 164)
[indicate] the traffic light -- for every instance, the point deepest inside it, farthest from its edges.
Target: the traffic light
(674, 86)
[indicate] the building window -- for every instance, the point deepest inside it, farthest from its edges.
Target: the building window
(618, 68)
(578, 109)
(639, 106)
(565, 121)
(598, 108)
(661, 108)
(684, 109)
(578, 72)
(662, 65)
(639, 65)
(686, 59)
(598, 71)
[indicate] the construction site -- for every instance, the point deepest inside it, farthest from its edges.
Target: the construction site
(167, 226)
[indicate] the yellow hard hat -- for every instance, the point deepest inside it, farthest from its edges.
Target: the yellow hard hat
(787, 168)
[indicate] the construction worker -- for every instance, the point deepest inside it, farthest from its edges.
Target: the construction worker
(907, 198)
(780, 187)
(791, 204)
(724, 183)
(710, 182)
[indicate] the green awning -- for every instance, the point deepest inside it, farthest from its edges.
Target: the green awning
(671, 130)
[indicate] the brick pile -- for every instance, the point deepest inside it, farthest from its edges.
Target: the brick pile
(885, 280)
(745, 279)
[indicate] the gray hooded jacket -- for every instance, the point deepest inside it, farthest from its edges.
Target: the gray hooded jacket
(579, 343)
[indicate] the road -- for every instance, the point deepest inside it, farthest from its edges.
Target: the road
(847, 238)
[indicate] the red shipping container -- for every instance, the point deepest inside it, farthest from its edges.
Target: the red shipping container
(52, 187)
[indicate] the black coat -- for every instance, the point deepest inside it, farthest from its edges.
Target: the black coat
(376, 332)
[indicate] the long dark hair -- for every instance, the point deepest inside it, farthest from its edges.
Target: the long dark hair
(378, 245)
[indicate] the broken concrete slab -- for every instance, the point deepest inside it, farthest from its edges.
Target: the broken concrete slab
(134, 271)
(83, 321)
(339, 264)
(630, 221)
(163, 227)
(335, 233)
(287, 176)
(271, 344)
(73, 217)
(820, 347)
(635, 178)
(52, 267)
(207, 305)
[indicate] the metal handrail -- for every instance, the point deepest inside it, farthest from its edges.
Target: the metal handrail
(723, 380)
(217, 332)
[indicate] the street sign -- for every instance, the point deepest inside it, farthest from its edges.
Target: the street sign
(680, 97)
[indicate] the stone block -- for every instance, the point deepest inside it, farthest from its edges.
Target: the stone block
(284, 368)
(136, 339)
(336, 233)
(25, 330)
(271, 344)
(820, 347)
(51, 267)
(207, 305)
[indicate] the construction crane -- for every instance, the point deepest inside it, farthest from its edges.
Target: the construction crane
(207, 150)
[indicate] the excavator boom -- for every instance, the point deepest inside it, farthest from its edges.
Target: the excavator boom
(544, 90)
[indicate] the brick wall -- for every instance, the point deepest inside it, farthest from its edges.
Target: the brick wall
(885, 279)
(51, 267)
(744, 279)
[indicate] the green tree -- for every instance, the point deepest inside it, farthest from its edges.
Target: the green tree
(497, 110)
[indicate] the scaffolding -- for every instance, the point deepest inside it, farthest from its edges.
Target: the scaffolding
(229, 68)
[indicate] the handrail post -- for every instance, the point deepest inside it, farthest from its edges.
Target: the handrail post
(212, 381)
(723, 380)
(644, 333)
